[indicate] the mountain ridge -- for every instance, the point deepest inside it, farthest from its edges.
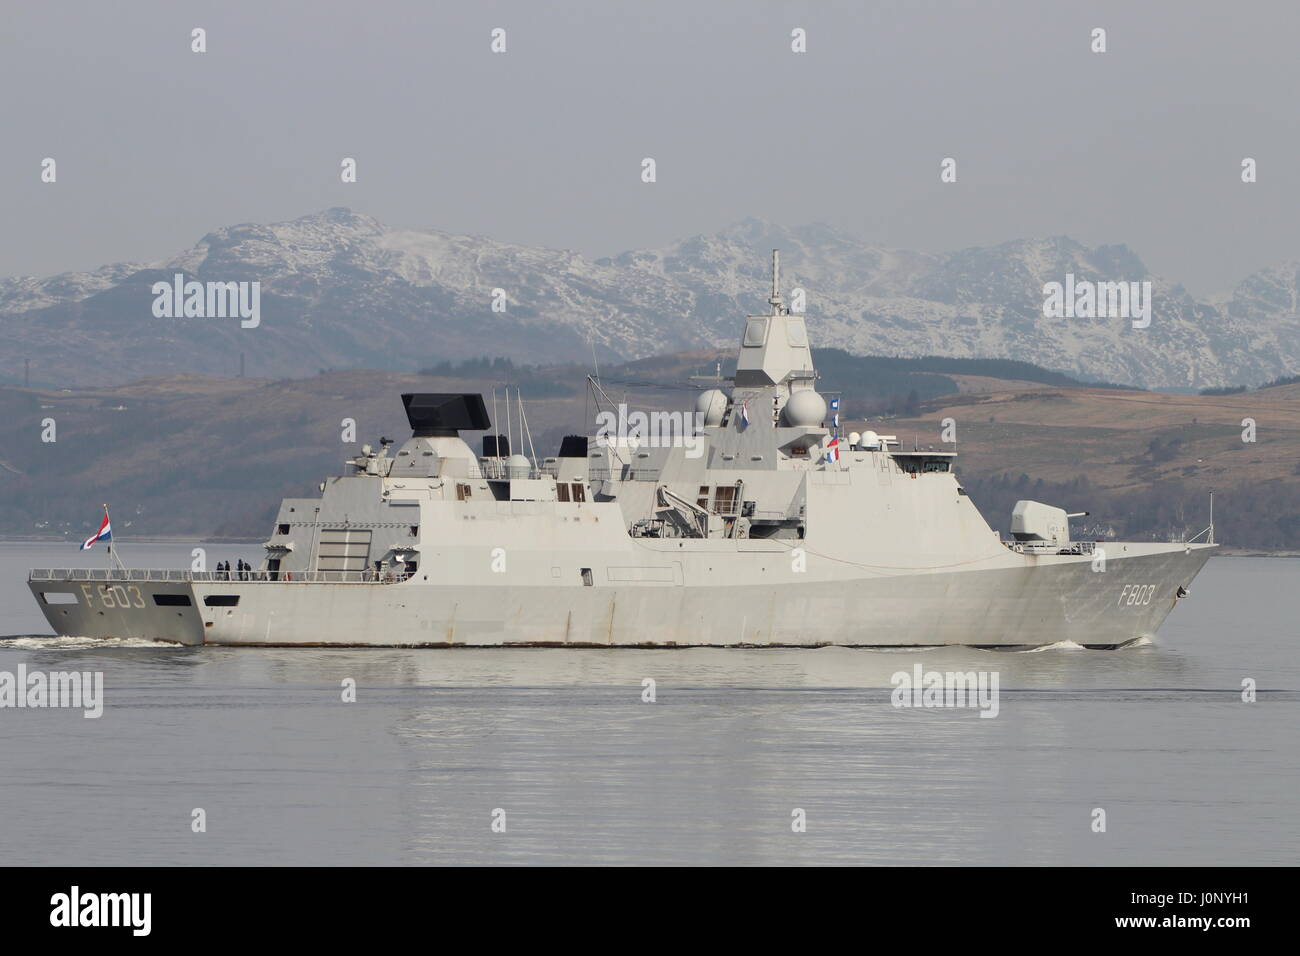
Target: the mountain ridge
(341, 289)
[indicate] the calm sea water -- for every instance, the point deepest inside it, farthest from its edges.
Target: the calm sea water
(1156, 735)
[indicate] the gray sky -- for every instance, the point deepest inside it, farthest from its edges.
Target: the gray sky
(156, 145)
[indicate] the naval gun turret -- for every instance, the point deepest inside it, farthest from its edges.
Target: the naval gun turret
(1037, 526)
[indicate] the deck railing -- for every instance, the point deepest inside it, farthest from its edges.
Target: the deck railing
(161, 575)
(1043, 547)
(497, 469)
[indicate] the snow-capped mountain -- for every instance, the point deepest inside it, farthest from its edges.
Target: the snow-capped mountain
(340, 289)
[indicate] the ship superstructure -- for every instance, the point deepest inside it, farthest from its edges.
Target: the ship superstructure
(754, 523)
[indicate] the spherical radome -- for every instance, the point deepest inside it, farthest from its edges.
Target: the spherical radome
(712, 405)
(518, 466)
(805, 408)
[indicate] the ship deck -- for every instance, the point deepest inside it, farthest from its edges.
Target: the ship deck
(176, 575)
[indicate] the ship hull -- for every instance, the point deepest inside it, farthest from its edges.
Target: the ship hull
(1042, 601)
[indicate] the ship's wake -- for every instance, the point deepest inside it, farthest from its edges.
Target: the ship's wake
(1075, 646)
(1055, 646)
(37, 643)
(1006, 649)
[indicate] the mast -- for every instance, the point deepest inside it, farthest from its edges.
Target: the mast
(112, 555)
(496, 427)
(508, 441)
(525, 431)
(597, 392)
(778, 306)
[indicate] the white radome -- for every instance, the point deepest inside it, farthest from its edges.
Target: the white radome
(805, 407)
(518, 466)
(712, 405)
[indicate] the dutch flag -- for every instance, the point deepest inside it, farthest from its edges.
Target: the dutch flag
(105, 533)
(832, 450)
(744, 412)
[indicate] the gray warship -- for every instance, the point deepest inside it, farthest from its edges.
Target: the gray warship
(754, 524)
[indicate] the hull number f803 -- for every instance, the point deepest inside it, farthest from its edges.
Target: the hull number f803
(1136, 594)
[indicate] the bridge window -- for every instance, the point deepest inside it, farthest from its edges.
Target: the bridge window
(579, 491)
(586, 577)
(561, 492)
